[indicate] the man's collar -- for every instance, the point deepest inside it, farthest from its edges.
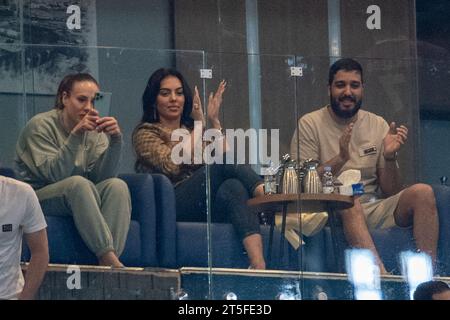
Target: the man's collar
(339, 120)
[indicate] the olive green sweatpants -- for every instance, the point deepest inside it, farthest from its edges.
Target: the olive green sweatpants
(101, 212)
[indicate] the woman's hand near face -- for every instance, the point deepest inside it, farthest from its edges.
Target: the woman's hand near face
(109, 126)
(88, 123)
(214, 103)
(197, 110)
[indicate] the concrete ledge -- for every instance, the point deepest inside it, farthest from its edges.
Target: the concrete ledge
(70, 282)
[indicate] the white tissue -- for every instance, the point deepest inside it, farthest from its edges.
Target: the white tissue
(349, 177)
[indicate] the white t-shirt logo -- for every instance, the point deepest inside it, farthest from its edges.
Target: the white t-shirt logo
(7, 228)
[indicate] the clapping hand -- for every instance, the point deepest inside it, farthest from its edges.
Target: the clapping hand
(197, 110)
(214, 103)
(344, 142)
(394, 139)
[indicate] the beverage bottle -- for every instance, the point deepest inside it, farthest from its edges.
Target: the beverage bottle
(270, 183)
(327, 181)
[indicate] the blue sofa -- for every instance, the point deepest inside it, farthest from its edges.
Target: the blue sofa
(155, 238)
(66, 246)
(390, 242)
(185, 244)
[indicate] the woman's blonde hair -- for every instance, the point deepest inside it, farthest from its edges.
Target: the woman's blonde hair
(67, 83)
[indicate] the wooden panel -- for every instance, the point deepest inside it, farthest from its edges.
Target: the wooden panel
(297, 31)
(395, 39)
(294, 27)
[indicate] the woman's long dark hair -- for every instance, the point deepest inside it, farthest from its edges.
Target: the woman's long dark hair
(151, 93)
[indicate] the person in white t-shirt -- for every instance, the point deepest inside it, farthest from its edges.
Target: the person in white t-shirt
(21, 214)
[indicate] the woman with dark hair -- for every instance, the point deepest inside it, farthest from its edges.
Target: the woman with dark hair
(168, 108)
(70, 156)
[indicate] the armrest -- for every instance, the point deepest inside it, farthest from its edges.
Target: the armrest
(442, 195)
(7, 172)
(143, 210)
(166, 221)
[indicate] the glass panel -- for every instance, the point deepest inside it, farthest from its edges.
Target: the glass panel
(389, 91)
(386, 30)
(435, 117)
(252, 45)
(123, 72)
(434, 128)
(60, 23)
(11, 102)
(255, 104)
(390, 81)
(10, 26)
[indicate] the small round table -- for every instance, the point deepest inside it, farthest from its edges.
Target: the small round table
(304, 203)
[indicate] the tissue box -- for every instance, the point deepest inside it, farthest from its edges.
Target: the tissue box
(355, 189)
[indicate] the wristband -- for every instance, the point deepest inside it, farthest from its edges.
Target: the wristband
(394, 158)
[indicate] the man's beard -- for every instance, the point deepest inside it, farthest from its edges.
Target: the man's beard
(345, 114)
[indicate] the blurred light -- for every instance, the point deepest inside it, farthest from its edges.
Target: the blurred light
(319, 293)
(368, 295)
(230, 296)
(289, 292)
(285, 296)
(416, 268)
(363, 273)
(179, 295)
(322, 296)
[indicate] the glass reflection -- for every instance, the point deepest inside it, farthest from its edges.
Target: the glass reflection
(416, 268)
(363, 273)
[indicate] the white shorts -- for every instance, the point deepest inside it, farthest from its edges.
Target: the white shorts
(380, 213)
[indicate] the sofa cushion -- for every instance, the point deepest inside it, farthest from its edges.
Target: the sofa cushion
(390, 242)
(228, 252)
(142, 191)
(192, 246)
(72, 250)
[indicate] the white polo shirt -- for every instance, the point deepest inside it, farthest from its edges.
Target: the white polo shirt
(20, 213)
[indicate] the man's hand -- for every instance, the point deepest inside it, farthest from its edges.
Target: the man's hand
(344, 142)
(109, 125)
(88, 123)
(394, 139)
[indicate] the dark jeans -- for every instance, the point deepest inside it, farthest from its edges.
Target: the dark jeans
(231, 186)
